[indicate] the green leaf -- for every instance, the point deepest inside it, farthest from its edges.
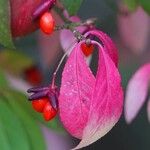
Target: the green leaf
(72, 6)
(132, 4)
(146, 5)
(15, 132)
(3, 81)
(5, 145)
(14, 62)
(24, 104)
(5, 30)
(31, 125)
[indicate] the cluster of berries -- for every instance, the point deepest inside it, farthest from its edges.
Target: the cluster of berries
(47, 25)
(45, 100)
(44, 106)
(42, 100)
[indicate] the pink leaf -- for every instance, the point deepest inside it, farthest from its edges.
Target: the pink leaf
(136, 92)
(134, 29)
(74, 101)
(109, 46)
(89, 106)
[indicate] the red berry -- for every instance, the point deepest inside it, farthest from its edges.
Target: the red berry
(33, 75)
(49, 112)
(40, 104)
(47, 23)
(87, 49)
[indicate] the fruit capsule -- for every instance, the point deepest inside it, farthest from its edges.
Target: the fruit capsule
(87, 49)
(33, 75)
(49, 112)
(47, 23)
(39, 104)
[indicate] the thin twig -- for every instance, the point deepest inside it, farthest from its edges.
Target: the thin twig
(60, 62)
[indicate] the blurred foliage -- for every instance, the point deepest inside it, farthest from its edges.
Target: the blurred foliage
(72, 6)
(19, 123)
(5, 30)
(133, 4)
(14, 62)
(3, 81)
(146, 5)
